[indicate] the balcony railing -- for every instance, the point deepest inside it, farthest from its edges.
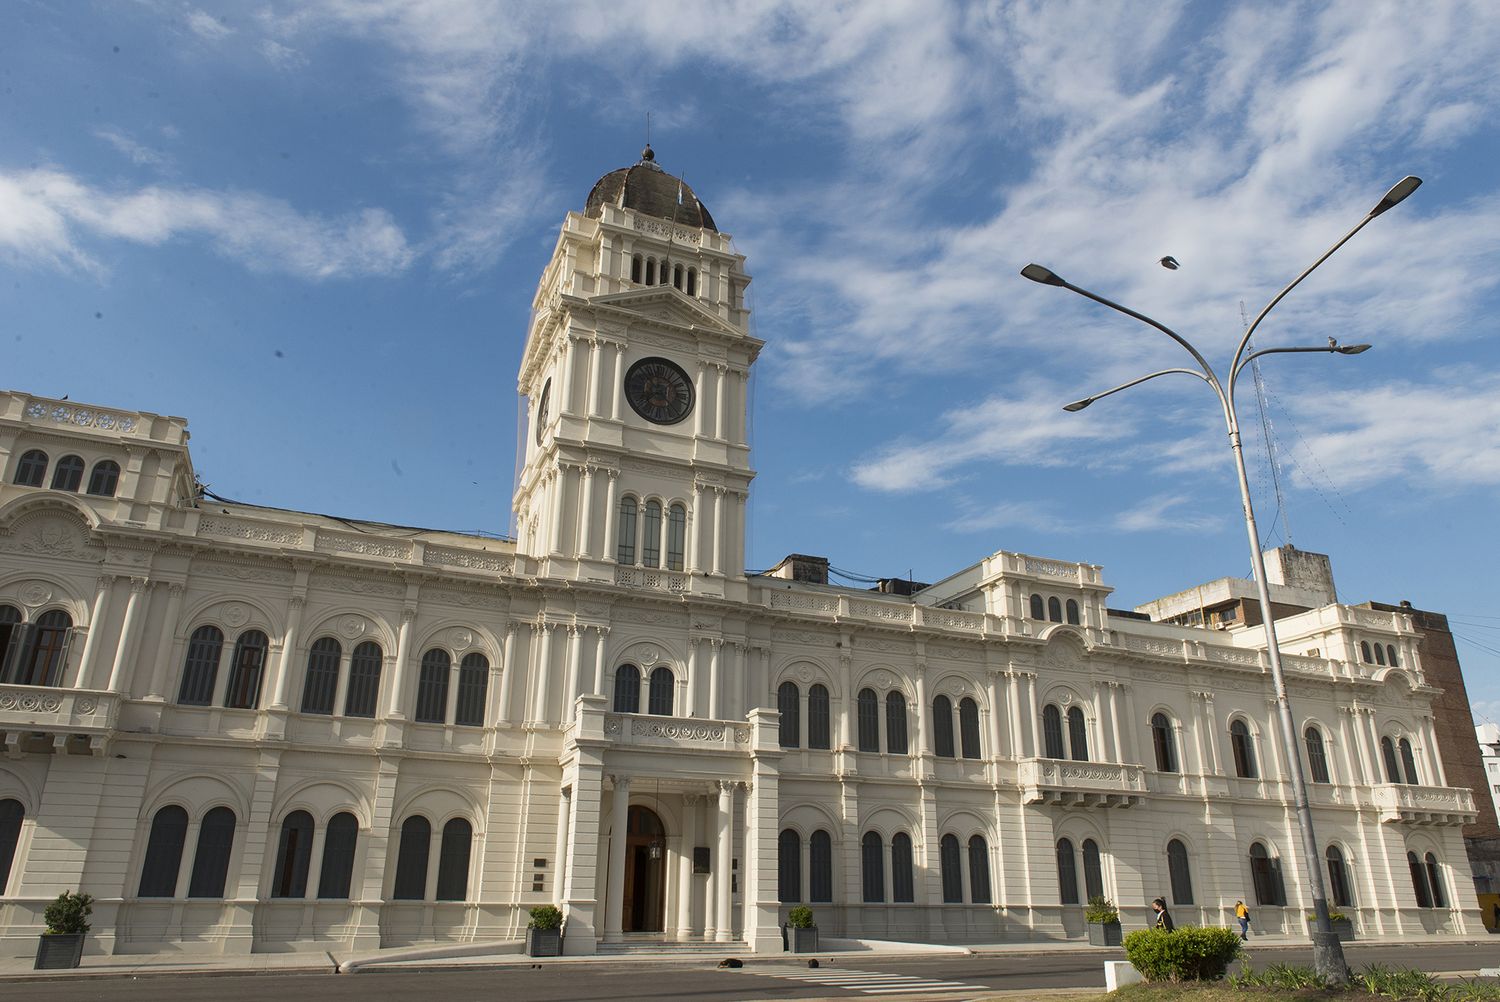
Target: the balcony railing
(682, 733)
(41, 718)
(1424, 805)
(1087, 784)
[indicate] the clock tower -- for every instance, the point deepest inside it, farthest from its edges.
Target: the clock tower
(636, 377)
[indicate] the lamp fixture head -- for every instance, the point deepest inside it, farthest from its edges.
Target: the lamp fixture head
(1078, 405)
(1352, 349)
(1397, 194)
(1044, 276)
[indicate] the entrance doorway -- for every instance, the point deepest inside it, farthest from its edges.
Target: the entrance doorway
(645, 872)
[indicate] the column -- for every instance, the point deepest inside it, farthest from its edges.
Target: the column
(1212, 722)
(125, 649)
(611, 510)
(724, 928)
(543, 675)
(698, 396)
(742, 385)
(1036, 714)
(403, 658)
(846, 718)
(685, 867)
(920, 717)
(1013, 703)
(614, 383)
(575, 662)
(1130, 742)
(1356, 769)
(555, 510)
(568, 353)
(586, 515)
(996, 744)
(600, 632)
(164, 648)
(596, 349)
(86, 666)
(718, 541)
(560, 850)
(507, 674)
(720, 409)
(738, 553)
(1436, 776)
(695, 526)
(689, 704)
(315, 862)
(715, 688)
(614, 911)
(288, 652)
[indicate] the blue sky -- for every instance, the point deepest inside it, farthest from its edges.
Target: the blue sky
(315, 228)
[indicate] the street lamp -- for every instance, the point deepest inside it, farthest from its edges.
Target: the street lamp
(1328, 955)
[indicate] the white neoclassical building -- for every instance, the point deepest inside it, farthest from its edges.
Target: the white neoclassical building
(245, 728)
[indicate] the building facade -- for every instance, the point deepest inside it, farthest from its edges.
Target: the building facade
(245, 728)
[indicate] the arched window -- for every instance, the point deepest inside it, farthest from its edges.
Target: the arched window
(1067, 872)
(789, 703)
(1265, 876)
(1073, 612)
(820, 862)
(1388, 757)
(411, 859)
(1093, 870)
(164, 853)
(692, 282)
(1419, 885)
(625, 546)
(12, 633)
(1052, 732)
(44, 653)
(942, 726)
(1408, 761)
(651, 535)
(339, 842)
(1243, 746)
(202, 666)
(432, 687)
(665, 274)
(1078, 734)
(453, 861)
(1317, 756)
(245, 671)
(11, 815)
(677, 276)
(895, 723)
(968, 727)
(788, 867)
(364, 680)
(868, 710)
(635, 269)
(1390, 656)
(1178, 873)
(1038, 609)
(1162, 740)
(68, 474)
(817, 717)
(676, 536)
(1340, 887)
(1054, 609)
(473, 684)
(627, 689)
(211, 861)
(662, 685)
(1379, 655)
(902, 888)
(31, 471)
(1364, 652)
(952, 870)
(293, 856)
(872, 868)
(1435, 881)
(322, 676)
(105, 478)
(650, 271)
(979, 870)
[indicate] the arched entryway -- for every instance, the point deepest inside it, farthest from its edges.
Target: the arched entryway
(645, 872)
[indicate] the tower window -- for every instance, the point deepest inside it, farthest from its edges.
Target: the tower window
(692, 281)
(651, 537)
(676, 536)
(650, 271)
(635, 269)
(625, 549)
(103, 480)
(677, 276)
(32, 469)
(68, 475)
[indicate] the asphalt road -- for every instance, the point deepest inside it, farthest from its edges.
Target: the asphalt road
(778, 978)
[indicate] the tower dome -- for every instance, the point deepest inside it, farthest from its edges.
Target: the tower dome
(649, 190)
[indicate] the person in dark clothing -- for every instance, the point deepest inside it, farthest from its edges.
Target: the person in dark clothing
(1163, 919)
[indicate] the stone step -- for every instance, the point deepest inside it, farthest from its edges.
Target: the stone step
(643, 946)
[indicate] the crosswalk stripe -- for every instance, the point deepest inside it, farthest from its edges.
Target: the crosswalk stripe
(868, 982)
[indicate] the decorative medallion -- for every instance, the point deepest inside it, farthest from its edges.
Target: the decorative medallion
(461, 639)
(35, 594)
(236, 614)
(352, 626)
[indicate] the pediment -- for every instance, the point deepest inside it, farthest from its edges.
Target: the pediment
(665, 306)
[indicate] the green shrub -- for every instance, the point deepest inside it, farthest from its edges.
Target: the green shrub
(1188, 953)
(546, 917)
(69, 913)
(800, 917)
(1332, 917)
(1410, 983)
(1101, 909)
(1283, 977)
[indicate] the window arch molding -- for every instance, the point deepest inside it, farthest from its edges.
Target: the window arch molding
(965, 824)
(197, 793)
(64, 599)
(805, 673)
(445, 635)
(888, 820)
(438, 804)
(332, 623)
(1168, 757)
(323, 798)
(1238, 723)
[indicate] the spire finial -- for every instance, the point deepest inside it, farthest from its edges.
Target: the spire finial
(648, 155)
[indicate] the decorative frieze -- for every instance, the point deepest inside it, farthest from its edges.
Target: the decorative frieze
(237, 528)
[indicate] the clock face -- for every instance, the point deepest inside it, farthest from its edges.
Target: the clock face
(541, 411)
(659, 391)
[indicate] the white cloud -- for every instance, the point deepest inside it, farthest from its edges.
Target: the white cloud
(1162, 512)
(47, 217)
(206, 26)
(135, 151)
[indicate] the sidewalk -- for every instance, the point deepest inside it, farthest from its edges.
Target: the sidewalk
(511, 952)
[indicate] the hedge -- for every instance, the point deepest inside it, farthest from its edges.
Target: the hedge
(1188, 953)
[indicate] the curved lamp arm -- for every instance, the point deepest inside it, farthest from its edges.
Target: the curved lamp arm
(1332, 349)
(1395, 196)
(1079, 405)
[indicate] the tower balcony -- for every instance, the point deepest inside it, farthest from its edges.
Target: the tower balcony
(1424, 805)
(44, 719)
(1081, 784)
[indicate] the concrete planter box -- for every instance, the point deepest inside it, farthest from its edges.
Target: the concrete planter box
(803, 940)
(58, 951)
(1104, 934)
(543, 942)
(1342, 928)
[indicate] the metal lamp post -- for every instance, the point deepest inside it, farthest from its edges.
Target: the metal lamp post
(1328, 955)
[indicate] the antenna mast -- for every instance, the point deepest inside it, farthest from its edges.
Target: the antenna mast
(1267, 433)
